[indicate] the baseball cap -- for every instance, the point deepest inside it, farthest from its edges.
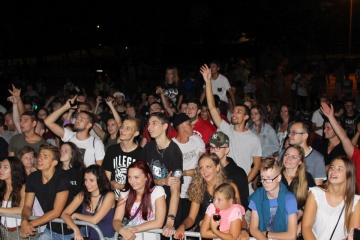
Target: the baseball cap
(179, 119)
(219, 139)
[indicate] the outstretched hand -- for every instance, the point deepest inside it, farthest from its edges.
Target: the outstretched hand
(206, 73)
(327, 110)
(16, 92)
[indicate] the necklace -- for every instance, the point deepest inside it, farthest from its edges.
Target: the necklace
(161, 151)
(95, 196)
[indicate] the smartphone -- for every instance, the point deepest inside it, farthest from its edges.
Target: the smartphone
(356, 233)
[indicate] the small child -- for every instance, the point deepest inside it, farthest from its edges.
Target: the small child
(230, 212)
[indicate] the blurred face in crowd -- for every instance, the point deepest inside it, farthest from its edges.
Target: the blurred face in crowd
(192, 110)
(284, 112)
(154, 108)
(128, 130)
(214, 68)
(9, 122)
(28, 160)
(112, 126)
(41, 114)
(156, 127)
(297, 136)
(26, 124)
(82, 122)
(204, 112)
(238, 115)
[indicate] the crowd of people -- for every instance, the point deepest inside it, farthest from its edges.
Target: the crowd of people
(224, 165)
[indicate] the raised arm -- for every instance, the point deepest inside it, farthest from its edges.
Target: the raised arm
(15, 112)
(355, 139)
(164, 101)
(50, 121)
(109, 102)
(206, 73)
(340, 132)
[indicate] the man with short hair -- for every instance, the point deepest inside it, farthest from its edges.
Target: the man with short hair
(51, 187)
(118, 157)
(165, 159)
(317, 125)
(200, 126)
(11, 128)
(245, 146)
(156, 107)
(92, 148)
(274, 208)
(220, 86)
(27, 136)
(298, 135)
(192, 147)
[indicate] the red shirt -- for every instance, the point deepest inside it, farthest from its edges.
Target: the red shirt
(356, 160)
(203, 129)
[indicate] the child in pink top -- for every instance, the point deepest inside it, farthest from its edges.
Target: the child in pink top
(230, 212)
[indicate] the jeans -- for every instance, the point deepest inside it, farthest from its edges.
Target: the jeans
(50, 235)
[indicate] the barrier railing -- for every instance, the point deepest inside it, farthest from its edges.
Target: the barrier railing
(56, 220)
(159, 231)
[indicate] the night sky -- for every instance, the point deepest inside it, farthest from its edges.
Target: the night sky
(291, 27)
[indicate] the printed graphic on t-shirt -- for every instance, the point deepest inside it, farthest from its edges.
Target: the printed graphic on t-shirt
(121, 164)
(188, 156)
(158, 169)
(171, 93)
(82, 151)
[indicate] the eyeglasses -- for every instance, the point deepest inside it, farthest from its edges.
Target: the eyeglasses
(292, 157)
(215, 149)
(269, 180)
(295, 133)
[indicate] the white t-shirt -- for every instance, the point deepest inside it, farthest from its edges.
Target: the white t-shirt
(318, 120)
(157, 192)
(92, 149)
(190, 152)
(329, 215)
(243, 146)
(220, 86)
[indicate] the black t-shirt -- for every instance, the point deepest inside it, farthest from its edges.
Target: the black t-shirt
(338, 150)
(173, 92)
(349, 124)
(238, 176)
(117, 162)
(160, 166)
(46, 193)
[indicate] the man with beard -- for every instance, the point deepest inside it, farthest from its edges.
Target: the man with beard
(119, 156)
(92, 148)
(245, 145)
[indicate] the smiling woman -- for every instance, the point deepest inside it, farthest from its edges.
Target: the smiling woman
(334, 203)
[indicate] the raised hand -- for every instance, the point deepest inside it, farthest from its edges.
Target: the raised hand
(206, 73)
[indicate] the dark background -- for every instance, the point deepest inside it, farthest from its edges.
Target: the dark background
(59, 40)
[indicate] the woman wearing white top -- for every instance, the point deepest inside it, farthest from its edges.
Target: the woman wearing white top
(12, 195)
(142, 205)
(332, 210)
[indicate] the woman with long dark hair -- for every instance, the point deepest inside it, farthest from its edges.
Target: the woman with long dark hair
(284, 123)
(332, 210)
(12, 195)
(72, 163)
(142, 206)
(98, 202)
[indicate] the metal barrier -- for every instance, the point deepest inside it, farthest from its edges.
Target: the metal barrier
(159, 231)
(56, 220)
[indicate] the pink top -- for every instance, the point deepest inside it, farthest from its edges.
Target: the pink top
(236, 211)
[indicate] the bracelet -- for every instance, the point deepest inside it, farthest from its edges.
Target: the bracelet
(267, 233)
(244, 229)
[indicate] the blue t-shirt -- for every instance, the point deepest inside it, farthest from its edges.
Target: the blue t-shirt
(291, 207)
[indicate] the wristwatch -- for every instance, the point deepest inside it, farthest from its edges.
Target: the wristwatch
(171, 216)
